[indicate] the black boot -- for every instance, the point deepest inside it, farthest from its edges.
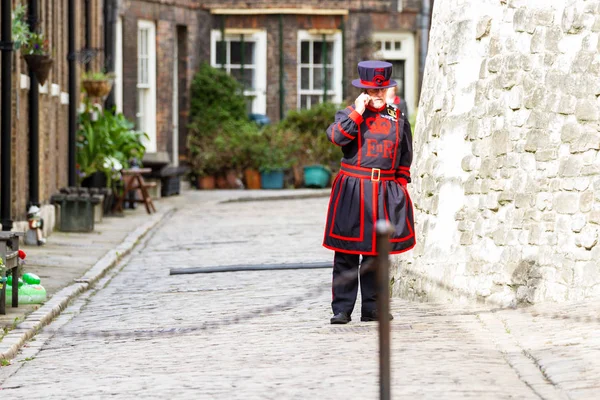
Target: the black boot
(371, 316)
(340, 318)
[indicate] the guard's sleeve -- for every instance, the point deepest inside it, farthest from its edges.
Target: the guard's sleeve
(345, 128)
(406, 155)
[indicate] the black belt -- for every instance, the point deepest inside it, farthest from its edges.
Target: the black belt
(374, 174)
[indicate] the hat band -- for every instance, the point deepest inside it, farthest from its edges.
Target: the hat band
(368, 83)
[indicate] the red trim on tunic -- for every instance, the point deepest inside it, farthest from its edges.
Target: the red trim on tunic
(335, 181)
(375, 207)
(356, 117)
(407, 204)
(367, 253)
(403, 250)
(343, 132)
(359, 145)
(362, 216)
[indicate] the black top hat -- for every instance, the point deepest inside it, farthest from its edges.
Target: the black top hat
(374, 75)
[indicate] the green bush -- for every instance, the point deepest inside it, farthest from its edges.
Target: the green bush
(107, 142)
(220, 135)
(310, 128)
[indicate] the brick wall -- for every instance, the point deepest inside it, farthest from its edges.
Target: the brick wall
(169, 17)
(53, 124)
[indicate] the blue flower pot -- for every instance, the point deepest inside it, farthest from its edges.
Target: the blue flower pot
(272, 179)
(316, 176)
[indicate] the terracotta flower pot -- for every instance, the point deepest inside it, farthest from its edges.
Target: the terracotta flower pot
(95, 88)
(40, 65)
(206, 182)
(252, 177)
(221, 182)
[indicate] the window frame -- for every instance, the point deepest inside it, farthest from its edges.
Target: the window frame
(146, 91)
(406, 53)
(336, 63)
(259, 38)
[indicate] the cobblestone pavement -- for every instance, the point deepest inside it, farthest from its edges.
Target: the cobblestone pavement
(438, 351)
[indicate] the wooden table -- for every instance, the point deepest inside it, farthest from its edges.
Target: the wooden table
(133, 181)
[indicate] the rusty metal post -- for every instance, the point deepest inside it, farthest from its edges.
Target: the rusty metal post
(384, 230)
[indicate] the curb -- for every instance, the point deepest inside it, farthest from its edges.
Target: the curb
(292, 196)
(16, 338)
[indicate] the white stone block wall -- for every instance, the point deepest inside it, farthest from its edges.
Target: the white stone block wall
(506, 174)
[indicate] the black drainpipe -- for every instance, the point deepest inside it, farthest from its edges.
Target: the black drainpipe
(34, 120)
(71, 56)
(281, 89)
(6, 47)
(88, 34)
(110, 11)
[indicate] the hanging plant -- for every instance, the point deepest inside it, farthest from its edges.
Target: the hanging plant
(35, 53)
(97, 84)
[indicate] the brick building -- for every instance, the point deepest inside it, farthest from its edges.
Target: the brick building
(279, 50)
(53, 103)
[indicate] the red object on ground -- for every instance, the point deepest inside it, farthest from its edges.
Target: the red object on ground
(22, 254)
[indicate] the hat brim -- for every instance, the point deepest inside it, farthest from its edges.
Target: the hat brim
(358, 84)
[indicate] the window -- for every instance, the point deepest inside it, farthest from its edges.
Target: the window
(244, 56)
(319, 69)
(119, 65)
(146, 82)
(399, 50)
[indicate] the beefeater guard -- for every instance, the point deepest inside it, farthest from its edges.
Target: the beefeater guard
(376, 142)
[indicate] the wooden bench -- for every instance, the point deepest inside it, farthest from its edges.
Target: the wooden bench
(9, 252)
(134, 181)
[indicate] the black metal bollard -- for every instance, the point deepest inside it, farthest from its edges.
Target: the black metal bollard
(384, 230)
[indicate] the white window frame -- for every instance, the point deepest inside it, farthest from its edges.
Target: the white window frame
(406, 53)
(119, 65)
(336, 84)
(146, 92)
(259, 38)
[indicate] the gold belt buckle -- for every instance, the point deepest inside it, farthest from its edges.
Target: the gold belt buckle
(373, 173)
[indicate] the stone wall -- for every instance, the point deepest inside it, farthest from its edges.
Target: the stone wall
(506, 174)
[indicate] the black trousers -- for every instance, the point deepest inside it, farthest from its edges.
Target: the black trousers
(345, 284)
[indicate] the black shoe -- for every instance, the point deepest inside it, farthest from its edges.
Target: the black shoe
(371, 316)
(340, 318)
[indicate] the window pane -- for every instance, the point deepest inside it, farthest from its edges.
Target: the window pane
(379, 46)
(305, 52)
(304, 78)
(330, 98)
(329, 78)
(317, 78)
(236, 72)
(140, 110)
(315, 99)
(249, 78)
(317, 52)
(249, 53)
(303, 101)
(235, 52)
(221, 52)
(329, 53)
(388, 45)
(398, 45)
(249, 100)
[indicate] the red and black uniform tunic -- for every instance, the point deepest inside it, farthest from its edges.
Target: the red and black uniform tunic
(371, 185)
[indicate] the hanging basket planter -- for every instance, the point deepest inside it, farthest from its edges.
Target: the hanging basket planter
(40, 65)
(97, 88)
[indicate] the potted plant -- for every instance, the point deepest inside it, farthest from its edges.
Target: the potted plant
(97, 84)
(35, 53)
(277, 148)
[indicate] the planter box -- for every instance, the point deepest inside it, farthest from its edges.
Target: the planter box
(316, 176)
(76, 211)
(272, 179)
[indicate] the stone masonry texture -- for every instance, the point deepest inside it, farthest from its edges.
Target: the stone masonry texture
(507, 165)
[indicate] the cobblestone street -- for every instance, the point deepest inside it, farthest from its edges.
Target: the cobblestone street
(234, 344)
